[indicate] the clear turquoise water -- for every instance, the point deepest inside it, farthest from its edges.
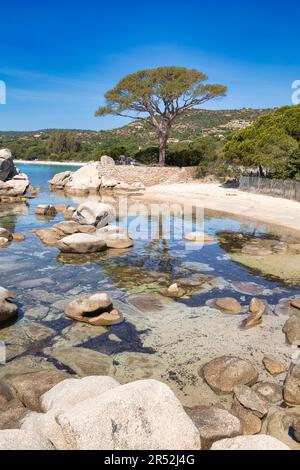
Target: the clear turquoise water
(123, 275)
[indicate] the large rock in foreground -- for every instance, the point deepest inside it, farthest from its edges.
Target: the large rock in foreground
(224, 373)
(71, 392)
(143, 415)
(94, 213)
(17, 439)
(261, 442)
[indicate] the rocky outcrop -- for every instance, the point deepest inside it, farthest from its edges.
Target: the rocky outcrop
(14, 187)
(97, 413)
(261, 442)
(7, 167)
(82, 236)
(8, 309)
(12, 184)
(51, 236)
(134, 416)
(105, 175)
(224, 373)
(95, 310)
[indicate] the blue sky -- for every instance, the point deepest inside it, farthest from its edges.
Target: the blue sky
(58, 58)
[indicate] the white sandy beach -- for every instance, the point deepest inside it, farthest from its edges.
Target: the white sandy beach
(212, 196)
(46, 162)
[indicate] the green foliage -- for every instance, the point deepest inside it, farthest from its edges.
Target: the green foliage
(163, 86)
(291, 168)
(268, 142)
(162, 94)
(182, 154)
(63, 142)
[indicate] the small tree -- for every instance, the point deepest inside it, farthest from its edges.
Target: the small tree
(160, 95)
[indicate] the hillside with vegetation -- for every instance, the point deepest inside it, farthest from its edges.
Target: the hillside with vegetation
(272, 143)
(196, 128)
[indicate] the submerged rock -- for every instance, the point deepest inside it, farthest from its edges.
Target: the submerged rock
(30, 387)
(82, 361)
(114, 237)
(199, 237)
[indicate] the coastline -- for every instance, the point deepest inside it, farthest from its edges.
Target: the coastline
(52, 163)
(278, 212)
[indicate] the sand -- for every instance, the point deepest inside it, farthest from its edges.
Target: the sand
(266, 209)
(45, 162)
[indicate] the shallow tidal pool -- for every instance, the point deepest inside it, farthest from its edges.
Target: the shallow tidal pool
(161, 338)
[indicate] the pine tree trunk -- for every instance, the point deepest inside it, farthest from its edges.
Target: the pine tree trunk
(162, 149)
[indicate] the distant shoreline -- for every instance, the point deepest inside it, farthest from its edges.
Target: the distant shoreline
(45, 162)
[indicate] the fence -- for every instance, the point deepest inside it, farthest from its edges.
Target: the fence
(287, 189)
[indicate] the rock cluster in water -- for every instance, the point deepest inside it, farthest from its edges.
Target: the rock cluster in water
(13, 185)
(87, 232)
(91, 178)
